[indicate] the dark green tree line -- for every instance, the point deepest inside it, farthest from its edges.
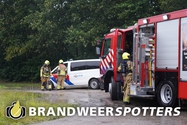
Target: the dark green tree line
(32, 31)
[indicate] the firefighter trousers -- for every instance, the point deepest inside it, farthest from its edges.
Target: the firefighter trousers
(61, 79)
(44, 82)
(126, 87)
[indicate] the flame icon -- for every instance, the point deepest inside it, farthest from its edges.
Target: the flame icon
(15, 111)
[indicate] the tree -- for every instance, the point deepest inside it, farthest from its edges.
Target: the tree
(130, 10)
(172, 5)
(32, 31)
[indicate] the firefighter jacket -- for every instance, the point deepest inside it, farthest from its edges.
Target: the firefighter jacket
(61, 70)
(45, 71)
(125, 67)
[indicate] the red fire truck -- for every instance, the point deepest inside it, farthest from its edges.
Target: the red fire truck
(158, 46)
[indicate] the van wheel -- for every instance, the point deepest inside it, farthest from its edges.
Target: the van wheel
(94, 84)
(166, 94)
(113, 89)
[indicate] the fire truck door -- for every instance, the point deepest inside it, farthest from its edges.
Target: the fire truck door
(183, 50)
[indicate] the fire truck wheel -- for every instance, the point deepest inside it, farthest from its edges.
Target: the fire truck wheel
(119, 91)
(94, 84)
(179, 102)
(113, 89)
(166, 94)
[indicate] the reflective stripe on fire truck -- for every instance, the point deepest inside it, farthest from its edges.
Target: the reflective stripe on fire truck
(107, 62)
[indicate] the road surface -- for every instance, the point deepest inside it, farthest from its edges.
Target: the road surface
(98, 98)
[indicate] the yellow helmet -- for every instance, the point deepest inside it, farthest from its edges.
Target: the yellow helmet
(47, 62)
(61, 61)
(125, 55)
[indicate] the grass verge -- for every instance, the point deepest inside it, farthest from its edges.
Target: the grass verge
(26, 99)
(5, 85)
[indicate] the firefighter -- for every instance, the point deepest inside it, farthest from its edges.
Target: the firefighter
(126, 69)
(61, 74)
(45, 73)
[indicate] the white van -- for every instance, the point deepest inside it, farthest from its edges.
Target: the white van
(80, 73)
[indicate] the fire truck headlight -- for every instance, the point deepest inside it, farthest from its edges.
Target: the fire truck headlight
(145, 21)
(165, 17)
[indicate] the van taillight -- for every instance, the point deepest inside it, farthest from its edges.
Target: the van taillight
(67, 77)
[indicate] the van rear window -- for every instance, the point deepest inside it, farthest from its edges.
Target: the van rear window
(75, 66)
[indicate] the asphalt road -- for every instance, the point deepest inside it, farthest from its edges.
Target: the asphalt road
(98, 98)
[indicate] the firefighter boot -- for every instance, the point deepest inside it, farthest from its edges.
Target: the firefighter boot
(45, 85)
(126, 100)
(58, 87)
(62, 85)
(49, 87)
(42, 87)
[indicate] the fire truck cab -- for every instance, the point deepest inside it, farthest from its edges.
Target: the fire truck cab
(158, 46)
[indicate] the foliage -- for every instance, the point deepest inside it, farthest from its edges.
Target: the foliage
(134, 10)
(32, 31)
(172, 5)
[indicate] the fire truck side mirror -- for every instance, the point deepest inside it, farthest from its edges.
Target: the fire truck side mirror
(97, 50)
(98, 44)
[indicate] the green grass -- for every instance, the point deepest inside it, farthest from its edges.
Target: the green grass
(26, 99)
(5, 85)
